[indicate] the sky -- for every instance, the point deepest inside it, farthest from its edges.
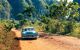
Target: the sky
(67, 0)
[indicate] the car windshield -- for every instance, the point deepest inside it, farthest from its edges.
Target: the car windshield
(28, 29)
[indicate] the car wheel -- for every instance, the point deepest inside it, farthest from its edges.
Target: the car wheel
(35, 38)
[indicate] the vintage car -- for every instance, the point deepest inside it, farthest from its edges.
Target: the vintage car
(29, 32)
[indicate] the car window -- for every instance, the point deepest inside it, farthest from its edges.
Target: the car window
(32, 29)
(28, 29)
(24, 30)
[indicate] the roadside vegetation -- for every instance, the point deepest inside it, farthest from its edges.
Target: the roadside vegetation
(62, 18)
(7, 41)
(65, 19)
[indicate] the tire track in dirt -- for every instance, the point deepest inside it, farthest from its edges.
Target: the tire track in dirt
(43, 44)
(38, 44)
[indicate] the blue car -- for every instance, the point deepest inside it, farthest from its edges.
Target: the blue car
(29, 32)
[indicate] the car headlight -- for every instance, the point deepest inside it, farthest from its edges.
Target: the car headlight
(34, 32)
(23, 33)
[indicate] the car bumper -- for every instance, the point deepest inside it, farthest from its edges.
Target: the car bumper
(29, 36)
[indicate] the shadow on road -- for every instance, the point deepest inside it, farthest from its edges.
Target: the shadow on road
(16, 43)
(25, 38)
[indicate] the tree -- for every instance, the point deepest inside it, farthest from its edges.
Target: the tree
(74, 12)
(58, 11)
(21, 19)
(64, 10)
(0, 10)
(29, 11)
(5, 9)
(0, 7)
(20, 16)
(62, 17)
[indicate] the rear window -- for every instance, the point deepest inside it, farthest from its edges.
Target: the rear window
(28, 29)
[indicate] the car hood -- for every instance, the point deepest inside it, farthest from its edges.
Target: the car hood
(29, 32)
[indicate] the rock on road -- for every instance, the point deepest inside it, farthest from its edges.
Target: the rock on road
(44, 44)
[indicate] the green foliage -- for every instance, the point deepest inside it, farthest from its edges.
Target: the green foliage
(20, 16)
(52, 26)
(44, 19)
(39, 26)
(4, 9)
(9, 24)
(62, 19)
(64, 9)
(61, 27)
(29, 11)
(58, 11)
(0, 7)
(76, 30)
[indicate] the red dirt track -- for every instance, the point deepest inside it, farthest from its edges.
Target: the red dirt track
(49, 43)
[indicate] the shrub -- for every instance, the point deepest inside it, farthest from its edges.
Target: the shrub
(39, 26)
(8, 24)
(59, 27)
(52, 26)
(64, 27)
(76, 30)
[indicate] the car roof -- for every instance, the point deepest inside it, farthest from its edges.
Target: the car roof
(27, 27)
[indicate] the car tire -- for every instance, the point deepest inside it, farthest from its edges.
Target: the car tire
(35, 38)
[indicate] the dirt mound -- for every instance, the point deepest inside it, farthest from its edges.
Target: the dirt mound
(7, 41)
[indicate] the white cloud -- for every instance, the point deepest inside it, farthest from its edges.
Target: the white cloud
(70, 0)
(67, 0)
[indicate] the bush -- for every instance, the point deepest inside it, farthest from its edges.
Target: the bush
(8, 24)
(76, 30)
(63, 27)
(39, 26)
(59, 27)
(36, 24)
(52, 26)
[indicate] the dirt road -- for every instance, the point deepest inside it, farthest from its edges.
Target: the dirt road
(51, 43)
